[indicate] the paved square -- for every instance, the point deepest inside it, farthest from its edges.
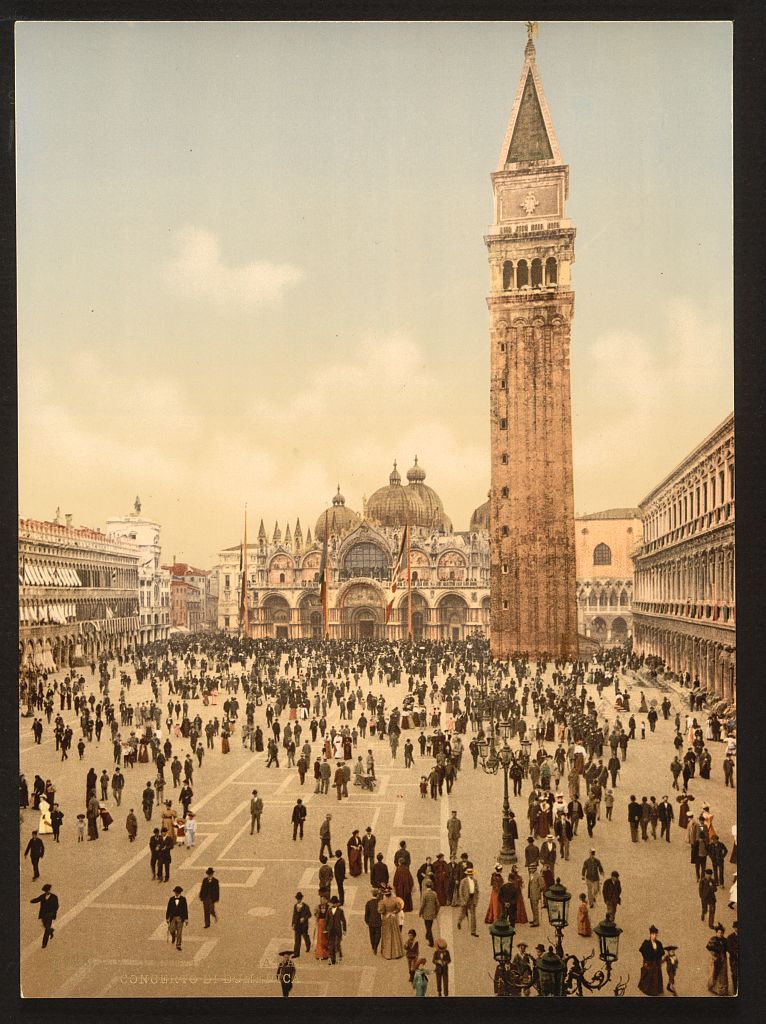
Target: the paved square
(111, 938)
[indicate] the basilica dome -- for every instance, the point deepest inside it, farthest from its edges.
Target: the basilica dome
(433, 516)
(391, 506)
(344, 519)
(417, 504)
(480, 517)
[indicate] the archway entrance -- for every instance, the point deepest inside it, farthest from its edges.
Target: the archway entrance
(362, 615)
(277, 617)
(619, 630)
(365, 626)
(453, 614)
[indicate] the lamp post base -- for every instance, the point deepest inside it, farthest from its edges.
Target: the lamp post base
(507, 857)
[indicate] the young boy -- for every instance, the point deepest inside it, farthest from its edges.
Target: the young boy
(80, 828)
(423, 787)
(671, 964)
(57, 818)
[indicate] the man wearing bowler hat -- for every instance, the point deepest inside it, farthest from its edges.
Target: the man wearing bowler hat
(49, 908)
(301, 915)
(209, 893)
(177, 915)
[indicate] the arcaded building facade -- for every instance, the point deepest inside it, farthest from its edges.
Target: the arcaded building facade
(531, 304)
(78, 594)
(684, 607)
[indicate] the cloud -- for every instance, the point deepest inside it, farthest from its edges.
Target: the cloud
(198, 271)
(194, 467)
(639, 402)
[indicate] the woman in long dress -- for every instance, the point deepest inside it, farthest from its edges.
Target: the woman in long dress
(652, 952)
(403, 886)
(718, 973)
(169, 821)
(441, 873)
(225, 742)
(354, 849)
(518, 883)
(44, 826)
(391, 947)
(321, 942)
(494, 910)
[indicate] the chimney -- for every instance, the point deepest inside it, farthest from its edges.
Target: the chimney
(68, 518)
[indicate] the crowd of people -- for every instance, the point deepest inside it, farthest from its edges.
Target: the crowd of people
(325, 708)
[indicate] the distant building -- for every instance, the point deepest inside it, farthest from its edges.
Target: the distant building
(191, 602)
(78, 594)
(604, 542)
(153, 580)
(684, 608)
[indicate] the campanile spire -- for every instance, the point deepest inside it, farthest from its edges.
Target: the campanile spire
(531, 304)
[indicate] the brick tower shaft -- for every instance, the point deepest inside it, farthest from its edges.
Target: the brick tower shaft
(531, 304)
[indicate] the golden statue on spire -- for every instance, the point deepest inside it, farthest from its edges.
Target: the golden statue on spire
(531, 30)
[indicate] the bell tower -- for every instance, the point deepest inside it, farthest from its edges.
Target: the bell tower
(531, 303)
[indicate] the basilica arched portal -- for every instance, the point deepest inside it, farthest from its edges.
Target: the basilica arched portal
(362, 613)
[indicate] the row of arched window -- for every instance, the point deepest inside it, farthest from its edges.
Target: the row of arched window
(534, 274)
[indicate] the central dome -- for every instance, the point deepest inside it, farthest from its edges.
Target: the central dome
(395, 506)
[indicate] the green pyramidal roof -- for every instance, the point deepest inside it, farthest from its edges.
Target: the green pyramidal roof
(530, 139)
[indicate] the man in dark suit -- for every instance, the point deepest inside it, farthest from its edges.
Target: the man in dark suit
(339, 870)
(379, 872)
(177, 915)
(164, 857)
(301, 915)
(49, 908)
(298, 819)
(368, 848)
(665, 816)
(335, 927)
(634, 818)
(612, 893)
(209, 893)
(36, 850)
(372, 919)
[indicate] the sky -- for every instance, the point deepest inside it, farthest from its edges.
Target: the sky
(251, 263)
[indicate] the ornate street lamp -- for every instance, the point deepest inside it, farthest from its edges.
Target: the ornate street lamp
(502, 932)
(491, 760)
(526, 750)
(608, 941)
(568, 976)
(557, 899)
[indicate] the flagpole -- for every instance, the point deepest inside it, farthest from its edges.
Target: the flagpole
(409, 586)
(325, 611)
(244, 580)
